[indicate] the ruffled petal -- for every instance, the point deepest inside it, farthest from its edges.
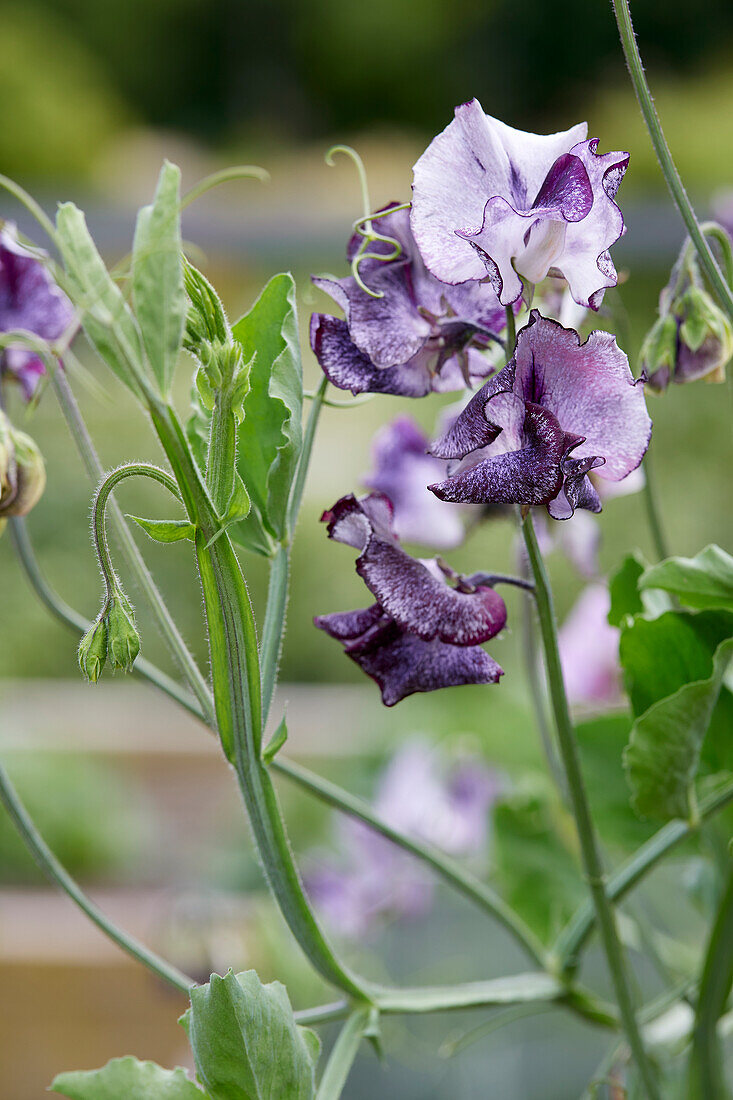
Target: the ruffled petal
(348, 368)
(346, 626)
(472, 430)
(589, 388)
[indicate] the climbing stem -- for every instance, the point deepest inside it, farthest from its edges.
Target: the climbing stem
(589, 848)
(664, 156)
(707, 1076)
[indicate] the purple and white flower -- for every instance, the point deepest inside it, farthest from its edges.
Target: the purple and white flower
(418, 336)
(29, 300)
(421, 634)
(589, 651)
(426, 799)
(534, 432)
(492, 201)
(402, 470)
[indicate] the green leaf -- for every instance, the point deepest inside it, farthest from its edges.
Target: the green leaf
(239, 503)
(158, 293)
(602, 742)
(664, 751)
(270, 436)
(105, 315)
(275, 743)
(536, 868)
(127, 1079)
(703, 581)
(246, 1043)
(626, 599)
(166, 530)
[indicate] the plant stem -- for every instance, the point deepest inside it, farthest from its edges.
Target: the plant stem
(452, 872)
(576, 932)
(51, 867)
(707, 1075)
(342, 1056)
(511, 333)
(589, 849)
(274, 627)
(664, 156)
(296, 493)
(128, 546)
(653, 516)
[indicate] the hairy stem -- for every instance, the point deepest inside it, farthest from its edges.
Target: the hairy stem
(664, 156)
(589, 848)
(274, 627)
(707, 1075)
(51, 867)
(133, 558)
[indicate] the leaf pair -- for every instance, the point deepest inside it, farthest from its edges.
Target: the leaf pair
(245, 1043)
(151, 336)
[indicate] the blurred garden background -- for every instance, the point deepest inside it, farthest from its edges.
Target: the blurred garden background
(131, 794)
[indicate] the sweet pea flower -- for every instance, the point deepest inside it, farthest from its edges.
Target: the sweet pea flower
(421, 634)
(29, 300)
(589, 651)
(418, 336)
(402, 469)
(492, 201)
(426, 799)
(534, 432)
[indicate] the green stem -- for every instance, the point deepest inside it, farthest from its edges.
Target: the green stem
(653, 516)
(133, 558)
(342, 1056)
(707, 1075)
(664, 156)
(51, 867)
(60, 610)
(463, 881)
(574, 936)
(589, 848)
(322, 1014)
(511, 333)
(222, 456)
(274, 627)
(296, 494)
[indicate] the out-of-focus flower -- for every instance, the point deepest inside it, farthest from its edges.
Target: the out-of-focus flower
(589, 651)
(419, 336)
(491, 200)
(692, 338)
(29, 300)
(533, 433)
(402, 471)
(22, 472)
(421, 634)
(427, 800)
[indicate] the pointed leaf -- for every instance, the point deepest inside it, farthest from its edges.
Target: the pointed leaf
(239, 502)
(703, 581)
(246, 1043)
(276, 742)
(158, 293)
(664, 751)
(166, 530)
(105, 315)
(127, 1079)
(270, 436)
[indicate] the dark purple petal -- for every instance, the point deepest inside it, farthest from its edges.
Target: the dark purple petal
(349, 369)
(530, 475)
(589, 388)
(345, 626)
(471, 430)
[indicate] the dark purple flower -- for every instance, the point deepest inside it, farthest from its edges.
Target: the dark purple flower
(426, 800)
(492, 201)
(402, 471)
(419, 336)
(533, 433)
(589, 651)
(29, 300)
(421, 634)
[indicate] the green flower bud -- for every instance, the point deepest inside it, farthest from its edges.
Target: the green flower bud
(123, 641)
(659, 351)
(22, 471)
(93, 651)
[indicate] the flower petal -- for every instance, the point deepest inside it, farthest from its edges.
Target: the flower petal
(350, 369)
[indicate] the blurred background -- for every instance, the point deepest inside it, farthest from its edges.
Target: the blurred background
(132, 795)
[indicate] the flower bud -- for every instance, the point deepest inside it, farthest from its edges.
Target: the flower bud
(659, 351)
(22, 471)
(93, 650)
(123, 641)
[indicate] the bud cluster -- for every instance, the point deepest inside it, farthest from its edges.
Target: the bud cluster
(22, 471)
(113, 636)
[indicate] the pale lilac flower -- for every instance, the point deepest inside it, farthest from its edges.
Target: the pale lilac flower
(29, 300)
(589, 651)
(402, 470)
(421, 634)
(419, 336)
(426, 799)
(534, 432)
(492, 201)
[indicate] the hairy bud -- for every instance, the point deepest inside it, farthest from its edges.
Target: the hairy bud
(22, 471)
(93, 651)
(123, 640)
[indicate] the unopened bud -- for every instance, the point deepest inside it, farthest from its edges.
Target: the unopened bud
(22, 471)
(93, 651)
(123, 641)
(659, 351)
